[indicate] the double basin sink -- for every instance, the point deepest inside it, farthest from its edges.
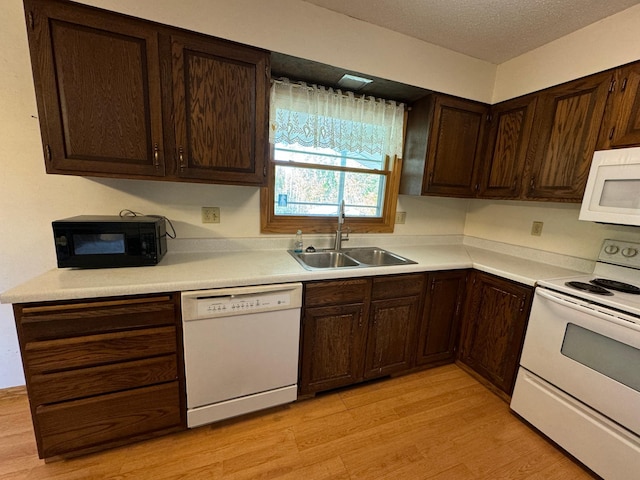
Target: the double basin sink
(349, 258)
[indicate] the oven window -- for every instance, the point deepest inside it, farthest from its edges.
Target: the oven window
(620, 194)
(98, 244)
(614, 359)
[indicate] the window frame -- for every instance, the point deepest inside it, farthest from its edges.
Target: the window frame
(272, 223)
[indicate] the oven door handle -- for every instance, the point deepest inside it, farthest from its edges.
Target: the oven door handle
(617, 318)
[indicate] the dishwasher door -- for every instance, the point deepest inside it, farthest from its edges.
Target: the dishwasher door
(241, 349)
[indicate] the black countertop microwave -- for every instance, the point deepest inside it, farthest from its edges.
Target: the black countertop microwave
(109, 241)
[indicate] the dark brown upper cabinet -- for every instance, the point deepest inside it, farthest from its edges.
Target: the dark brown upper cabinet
(567, 123)
(621, 124)
(98, 90)
(220, 104)
(123, 97)
(443, 143)
(508, 135)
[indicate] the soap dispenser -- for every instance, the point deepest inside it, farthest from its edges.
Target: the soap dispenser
(297, 246)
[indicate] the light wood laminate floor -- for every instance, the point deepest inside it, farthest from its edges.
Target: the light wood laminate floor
(435, 424)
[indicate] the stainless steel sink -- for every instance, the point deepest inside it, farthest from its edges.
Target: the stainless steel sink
(376, 257)
(324, 259)
(353, 258)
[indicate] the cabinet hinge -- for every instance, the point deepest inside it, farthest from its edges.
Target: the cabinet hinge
(489, 117)
(612, 85)
(31, 20)
(47, 152)
(264, 171)
(522, 306)
(624, 85)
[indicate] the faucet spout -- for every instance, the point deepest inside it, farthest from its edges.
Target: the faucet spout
(339, 238)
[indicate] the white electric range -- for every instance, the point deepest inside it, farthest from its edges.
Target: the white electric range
(579, 376)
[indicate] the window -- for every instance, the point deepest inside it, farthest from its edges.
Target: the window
(328, 147)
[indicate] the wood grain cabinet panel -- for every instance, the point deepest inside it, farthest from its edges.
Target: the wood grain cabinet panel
(438, 329)
(332, 345)
(508, 135)
(443, 145)
(98, 91)
(567, 127)
(621, 124)
(391, 336)
(393, 319)
(220, 110)
(94, 421)
(102, 372)
(495, 317)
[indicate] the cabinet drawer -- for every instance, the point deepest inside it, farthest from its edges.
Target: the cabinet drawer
(397, 286)
(47, 322)
(88, 382)
(91, 422)
(337, 292)
(95, 350)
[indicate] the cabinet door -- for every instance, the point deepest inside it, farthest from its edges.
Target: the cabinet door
(98, 90)
(621, 125)
(567, 122)
(391, 336)
(332, 347)
(493, 328)
(507, 146)
(438, 329)
(455, 141)
(220, 110)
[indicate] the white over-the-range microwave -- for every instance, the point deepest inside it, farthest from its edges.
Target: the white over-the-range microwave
(612, 194)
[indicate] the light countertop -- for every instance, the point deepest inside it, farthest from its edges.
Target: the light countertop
(216, 269)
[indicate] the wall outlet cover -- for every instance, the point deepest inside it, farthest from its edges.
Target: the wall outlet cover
(210, 214)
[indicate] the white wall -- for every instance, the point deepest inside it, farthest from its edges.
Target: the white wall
(605, 44)
(510, 222)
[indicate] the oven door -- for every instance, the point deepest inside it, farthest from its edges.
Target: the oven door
(591, 354)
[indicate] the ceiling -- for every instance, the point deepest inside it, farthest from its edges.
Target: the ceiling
(490, 30)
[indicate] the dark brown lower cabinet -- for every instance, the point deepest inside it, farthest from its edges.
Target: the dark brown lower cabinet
(102, 372)
(359, 329)
(495, 318)
(438, 334)
(395, 305)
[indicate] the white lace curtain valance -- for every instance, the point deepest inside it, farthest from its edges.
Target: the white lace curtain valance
(315, 116)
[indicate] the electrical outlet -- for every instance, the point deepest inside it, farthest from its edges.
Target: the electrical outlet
(210, 214)
(536, 228)
(401, 217)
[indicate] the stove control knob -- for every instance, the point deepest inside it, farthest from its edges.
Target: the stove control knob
(630, 252)
(611, 249)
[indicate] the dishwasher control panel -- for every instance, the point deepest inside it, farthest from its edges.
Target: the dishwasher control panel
(233, 305)
(238, 301)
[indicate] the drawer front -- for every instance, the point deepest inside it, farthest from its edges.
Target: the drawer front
(107, 418)
(95, 350)
(47, 322)
(87, 382)
(397, 286)
(337, 292)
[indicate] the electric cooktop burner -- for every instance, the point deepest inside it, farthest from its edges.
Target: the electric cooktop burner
(589, 288)
(615, 285)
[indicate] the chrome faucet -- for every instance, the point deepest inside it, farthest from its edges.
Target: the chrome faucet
(339, 238)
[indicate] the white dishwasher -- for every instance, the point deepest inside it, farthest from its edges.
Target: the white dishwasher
(240, 349)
